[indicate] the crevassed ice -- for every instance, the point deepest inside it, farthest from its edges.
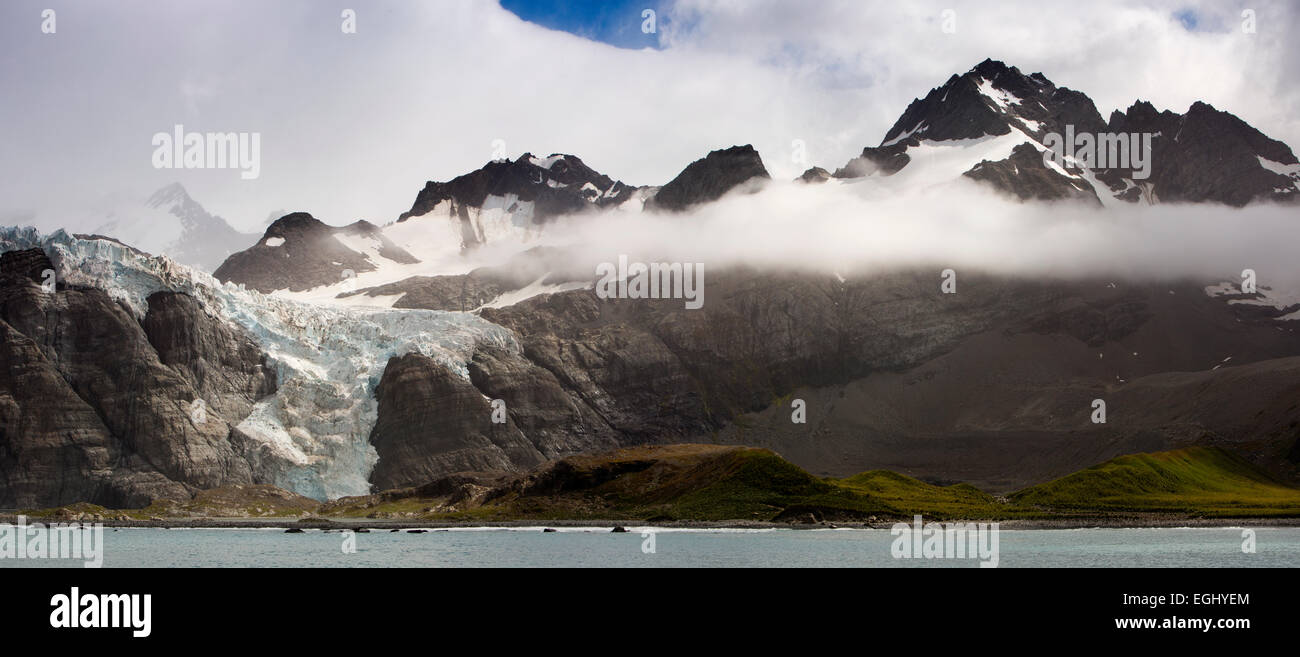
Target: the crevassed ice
(312, 436)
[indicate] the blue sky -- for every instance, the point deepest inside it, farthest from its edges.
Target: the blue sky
(1188, 18)
(616, 22)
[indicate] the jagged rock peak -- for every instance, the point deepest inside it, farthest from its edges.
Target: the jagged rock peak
(294, 223)
(992, 99)
(557, 184)
(708, 178)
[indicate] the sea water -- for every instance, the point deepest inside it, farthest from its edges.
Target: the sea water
(639, 548)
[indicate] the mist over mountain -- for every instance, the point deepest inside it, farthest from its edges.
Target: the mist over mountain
(167, 222)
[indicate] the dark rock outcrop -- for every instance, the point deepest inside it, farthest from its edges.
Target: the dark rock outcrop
(56, 450)
(876, 160)
(557, 185)
(1207, 155)
(1025, 176)
(566, 185)
(708, 178)
(555, 421)
(432, 422)
(815, 175)
(24, 266)
(656, 372)
(227, 368)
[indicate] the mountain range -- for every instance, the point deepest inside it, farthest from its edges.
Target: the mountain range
(337, 361)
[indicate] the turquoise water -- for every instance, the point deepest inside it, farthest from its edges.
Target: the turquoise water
(1186, 547)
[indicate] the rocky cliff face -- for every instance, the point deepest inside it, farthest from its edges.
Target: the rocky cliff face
(104, 408)
(1012, 404)
(432, 422)
(226, 367)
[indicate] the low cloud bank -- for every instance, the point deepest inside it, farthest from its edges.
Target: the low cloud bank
(861, 227)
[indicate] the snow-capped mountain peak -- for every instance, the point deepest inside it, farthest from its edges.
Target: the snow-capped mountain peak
(994, 124)
(529, 189)
(168, 222)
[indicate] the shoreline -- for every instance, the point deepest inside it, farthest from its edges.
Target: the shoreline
(400, 524)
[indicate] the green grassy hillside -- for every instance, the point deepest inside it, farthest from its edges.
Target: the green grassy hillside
(906, 495)
(1198, 480)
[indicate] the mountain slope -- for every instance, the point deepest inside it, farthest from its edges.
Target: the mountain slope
(299, 252)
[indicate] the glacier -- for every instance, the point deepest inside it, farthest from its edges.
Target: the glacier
(312, 435)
